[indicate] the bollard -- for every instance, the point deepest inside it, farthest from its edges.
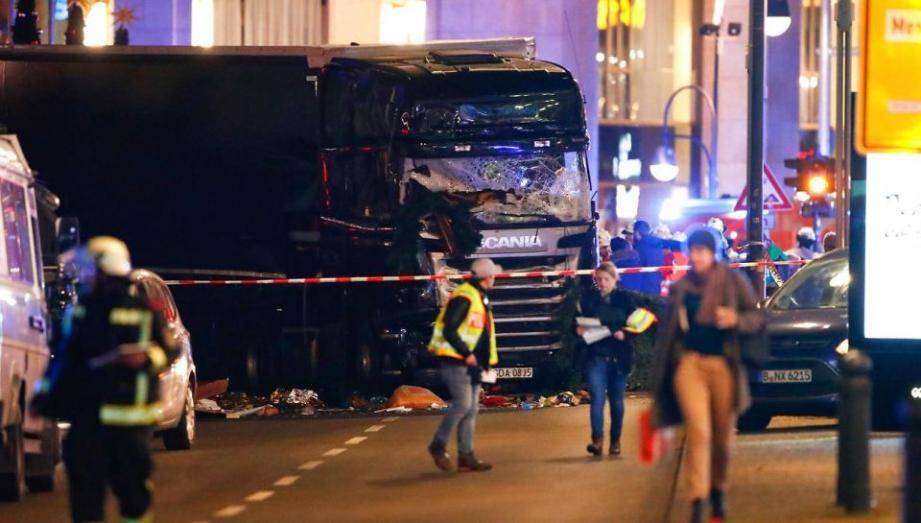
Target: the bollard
(854, 391)
(911, 494)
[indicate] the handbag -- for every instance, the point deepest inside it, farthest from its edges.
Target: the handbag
(655, 442)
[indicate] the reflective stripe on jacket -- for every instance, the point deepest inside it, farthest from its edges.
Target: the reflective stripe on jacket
(470, 330)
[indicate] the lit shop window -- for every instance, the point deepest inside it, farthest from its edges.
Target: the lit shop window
(203, 23)
(644, 53)
(810, 64)
(98, 30)
(402, 21)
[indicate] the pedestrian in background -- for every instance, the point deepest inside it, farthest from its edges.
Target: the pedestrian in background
(702, 381)
(651, 250)
(607, 362)
(805, 245)
(104, 381)
(604, 244)
(830, 241)
(623, 256)
(464, 340)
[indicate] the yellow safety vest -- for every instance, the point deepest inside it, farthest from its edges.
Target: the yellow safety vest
(470, 330)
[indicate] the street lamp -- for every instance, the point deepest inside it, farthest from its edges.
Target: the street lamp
(666, 169)
(778, 18)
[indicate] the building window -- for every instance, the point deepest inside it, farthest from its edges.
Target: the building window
(203, 23)
(99, 23)
(257, 22)
(402, 21)
(644, 53)
(809, 64)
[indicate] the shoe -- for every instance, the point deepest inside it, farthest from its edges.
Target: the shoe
(697, 511)
(717, 506)
(441, 456)
(615, 448)
(469, 463)
(595, 447)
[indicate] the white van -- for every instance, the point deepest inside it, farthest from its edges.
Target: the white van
(30, 446)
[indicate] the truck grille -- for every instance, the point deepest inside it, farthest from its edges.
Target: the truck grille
(527, 310)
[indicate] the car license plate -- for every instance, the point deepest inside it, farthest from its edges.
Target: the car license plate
(787, 376)
(515, 373)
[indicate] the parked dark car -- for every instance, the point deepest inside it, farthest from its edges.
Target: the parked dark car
(807, 325)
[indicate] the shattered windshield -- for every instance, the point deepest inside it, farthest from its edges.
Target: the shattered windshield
(512, 189)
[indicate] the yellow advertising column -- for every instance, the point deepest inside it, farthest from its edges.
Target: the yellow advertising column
(889, 117)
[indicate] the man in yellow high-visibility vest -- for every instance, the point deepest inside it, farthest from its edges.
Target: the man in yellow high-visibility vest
(464, 341)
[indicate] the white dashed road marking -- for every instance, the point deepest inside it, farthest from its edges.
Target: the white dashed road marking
(261, 495)
(310, 465)
(229, 511)
(286, 481)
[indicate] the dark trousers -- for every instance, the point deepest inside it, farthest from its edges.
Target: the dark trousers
(97, 456)
(606, 381)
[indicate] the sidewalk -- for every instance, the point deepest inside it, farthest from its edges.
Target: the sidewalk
(788, 473)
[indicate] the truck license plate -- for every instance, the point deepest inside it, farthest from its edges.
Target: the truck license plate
(515, 373)
(787, 376)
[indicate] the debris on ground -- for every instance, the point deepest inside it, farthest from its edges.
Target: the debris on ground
(209, 389)
(567, 399)
(394, 410)
(236, 405)
(494, 399)
(405, 399)
(359, 402)
(242, 413)
(415, 398)
(208, 406)
(296, 399)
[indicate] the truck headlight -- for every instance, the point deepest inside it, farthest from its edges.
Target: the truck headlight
(842, 347)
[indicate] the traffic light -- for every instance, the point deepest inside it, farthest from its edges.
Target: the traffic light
(815, 177)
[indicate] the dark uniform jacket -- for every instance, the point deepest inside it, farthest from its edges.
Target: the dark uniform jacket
(612, 312)
(87, 379)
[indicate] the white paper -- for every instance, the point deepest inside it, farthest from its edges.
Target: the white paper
(596, 334)
(583, 321)
(893, 247)
(489, 376)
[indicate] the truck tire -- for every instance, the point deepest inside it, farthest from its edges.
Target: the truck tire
(182, 435)
(366, 360)
(13, 479)
(40, 469)
(333, 353)
(754, 420)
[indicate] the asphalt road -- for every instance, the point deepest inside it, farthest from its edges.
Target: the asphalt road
(376, 469)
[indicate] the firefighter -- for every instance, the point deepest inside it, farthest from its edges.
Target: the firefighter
(104, 381)
(464, 341)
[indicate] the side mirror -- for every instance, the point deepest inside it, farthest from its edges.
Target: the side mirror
(68, 233)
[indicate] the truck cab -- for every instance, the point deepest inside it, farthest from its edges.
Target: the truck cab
(462, 146)
(29, 448)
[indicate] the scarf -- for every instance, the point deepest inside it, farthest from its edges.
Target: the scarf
(712, 290)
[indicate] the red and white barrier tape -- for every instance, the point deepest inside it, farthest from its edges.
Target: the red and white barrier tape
(463, 276)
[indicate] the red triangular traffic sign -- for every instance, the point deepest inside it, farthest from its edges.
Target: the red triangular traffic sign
(773, 195)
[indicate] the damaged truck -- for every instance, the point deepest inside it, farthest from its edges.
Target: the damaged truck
(239, 163)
